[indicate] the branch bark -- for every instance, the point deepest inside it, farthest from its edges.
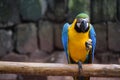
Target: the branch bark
(55, 69)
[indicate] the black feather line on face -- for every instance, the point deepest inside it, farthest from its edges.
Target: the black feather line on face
(79, 30)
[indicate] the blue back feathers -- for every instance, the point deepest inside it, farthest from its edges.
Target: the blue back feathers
(93, 37)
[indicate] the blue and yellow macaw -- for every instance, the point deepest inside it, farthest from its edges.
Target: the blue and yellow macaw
(79, 41)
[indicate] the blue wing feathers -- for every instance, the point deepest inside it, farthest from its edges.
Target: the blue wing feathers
(65, 38)
(93, 37)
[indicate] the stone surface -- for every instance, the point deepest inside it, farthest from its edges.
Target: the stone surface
(102, 78)
(102, 57)
(31, 77)
(109, 11)
(9, 13)
(58, 57)
(113, 35)
(57, 10)
(46, 36)
(113, 58)
(118, 10)
(8, 77)
(103, 10)
(39, 56)
(101, 36)
(32, 10)
(59, 78)
(5, 42)
(15, 57)
(26, 38)
(70, 78)
(58, 35)
(107, 58)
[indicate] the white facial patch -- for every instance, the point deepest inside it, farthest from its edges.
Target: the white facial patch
(87, 24)
(78, 24)
(86, 19)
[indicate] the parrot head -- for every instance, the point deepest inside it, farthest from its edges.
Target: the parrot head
(82, 22)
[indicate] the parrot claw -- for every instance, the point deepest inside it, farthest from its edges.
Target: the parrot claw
(79, 66)
(89, 44)
(79, 71)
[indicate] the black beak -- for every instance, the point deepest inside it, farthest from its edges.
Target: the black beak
(83, 26)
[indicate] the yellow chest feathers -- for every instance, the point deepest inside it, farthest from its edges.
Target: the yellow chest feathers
(76, 45)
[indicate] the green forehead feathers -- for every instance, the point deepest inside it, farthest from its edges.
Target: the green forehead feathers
(82, 15)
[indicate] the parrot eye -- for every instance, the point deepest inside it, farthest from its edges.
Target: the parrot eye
(79, 20)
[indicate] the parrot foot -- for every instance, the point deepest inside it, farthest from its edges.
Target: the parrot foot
(79, 66)
(79, 71)
(88, 44)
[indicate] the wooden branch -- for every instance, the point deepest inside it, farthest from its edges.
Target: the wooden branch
(53, 69)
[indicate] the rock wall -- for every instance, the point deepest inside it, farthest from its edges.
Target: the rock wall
(30, 30)
(27, 27)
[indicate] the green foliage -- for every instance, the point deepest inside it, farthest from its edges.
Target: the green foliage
(78, 6)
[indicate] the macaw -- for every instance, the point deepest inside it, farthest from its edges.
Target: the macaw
(79, 42)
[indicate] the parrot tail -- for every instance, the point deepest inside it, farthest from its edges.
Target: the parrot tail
(81, 78)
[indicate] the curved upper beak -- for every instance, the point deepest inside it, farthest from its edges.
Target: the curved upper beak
(83, 25)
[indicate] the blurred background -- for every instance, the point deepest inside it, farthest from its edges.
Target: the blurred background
(30, 31)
